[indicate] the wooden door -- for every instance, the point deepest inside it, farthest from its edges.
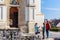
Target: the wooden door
(13, 17)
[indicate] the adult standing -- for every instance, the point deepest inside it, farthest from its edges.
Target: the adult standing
(43, 30)
(48, 26)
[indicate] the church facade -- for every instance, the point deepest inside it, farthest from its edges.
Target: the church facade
(21, 14)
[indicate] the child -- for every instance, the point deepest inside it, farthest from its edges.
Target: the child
(36, 29)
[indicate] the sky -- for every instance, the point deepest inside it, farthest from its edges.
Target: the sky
(50, 9)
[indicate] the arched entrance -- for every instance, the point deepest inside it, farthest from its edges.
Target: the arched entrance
(14, 17)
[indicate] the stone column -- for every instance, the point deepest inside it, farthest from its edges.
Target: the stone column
(30, 15)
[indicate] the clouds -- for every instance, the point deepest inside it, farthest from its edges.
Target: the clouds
(50, 8)
(53, 9)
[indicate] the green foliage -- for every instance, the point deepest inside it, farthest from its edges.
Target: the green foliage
(53, 26)
(55, 29)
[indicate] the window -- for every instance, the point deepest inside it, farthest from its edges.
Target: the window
(1, 13)
(14, 2)
(29, 15)
(26, 14)
(33, 13)
(32, 1)
(27, 2)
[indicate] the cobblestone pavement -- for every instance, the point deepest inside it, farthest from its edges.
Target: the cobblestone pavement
(53, 36)
(48, 39)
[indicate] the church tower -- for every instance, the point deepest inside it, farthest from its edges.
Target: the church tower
(33, 14)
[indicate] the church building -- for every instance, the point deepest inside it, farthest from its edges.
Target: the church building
(21, 14)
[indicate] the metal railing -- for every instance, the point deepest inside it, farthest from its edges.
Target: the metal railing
(9, 34)
(16, 34)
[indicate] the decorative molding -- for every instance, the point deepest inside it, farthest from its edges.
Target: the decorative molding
(14, 5)
(39, 14)
(31, 5)
(2, 4)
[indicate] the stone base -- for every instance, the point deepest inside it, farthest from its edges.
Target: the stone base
(24, 29)
(31, 27)
(3, 25)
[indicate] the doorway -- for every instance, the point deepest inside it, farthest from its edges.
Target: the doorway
(14, 17)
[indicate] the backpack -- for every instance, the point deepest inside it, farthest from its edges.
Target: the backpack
(47, 26)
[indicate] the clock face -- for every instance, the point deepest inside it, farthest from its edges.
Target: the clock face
(1, 1)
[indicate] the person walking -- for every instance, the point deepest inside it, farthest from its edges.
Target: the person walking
(48, 26)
